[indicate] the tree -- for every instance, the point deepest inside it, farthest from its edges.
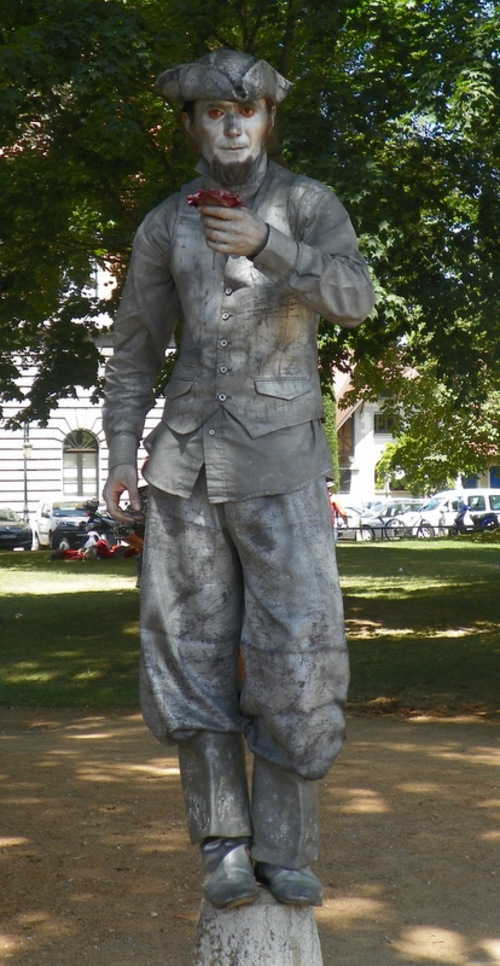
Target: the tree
(436, 442)
(395, 105)
(330, 427)
(80, 152)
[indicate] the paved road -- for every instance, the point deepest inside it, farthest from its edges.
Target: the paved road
(99, 871)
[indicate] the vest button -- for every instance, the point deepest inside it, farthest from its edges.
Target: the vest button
(221, 396)
(222, 368)
(224, 343)
(228, 291)
(225, 316)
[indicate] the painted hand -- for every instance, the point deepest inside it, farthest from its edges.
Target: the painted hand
(233, 231)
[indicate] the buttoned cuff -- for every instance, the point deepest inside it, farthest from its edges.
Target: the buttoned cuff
(279, 256)
(122, 449)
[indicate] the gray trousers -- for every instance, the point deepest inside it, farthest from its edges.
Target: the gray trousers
(259, 575)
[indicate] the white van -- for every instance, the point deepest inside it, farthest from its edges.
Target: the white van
(441, 509)
(59, 519)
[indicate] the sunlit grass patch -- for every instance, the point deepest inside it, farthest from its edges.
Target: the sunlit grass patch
(69, 632)
(422, 622)
(423, 626)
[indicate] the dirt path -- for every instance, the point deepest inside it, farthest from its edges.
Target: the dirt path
(97, 870)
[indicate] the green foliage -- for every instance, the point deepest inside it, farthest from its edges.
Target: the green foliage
(395, 104)
(330, 428)
(437, 439)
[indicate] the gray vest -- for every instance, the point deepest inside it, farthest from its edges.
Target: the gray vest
(247, 343)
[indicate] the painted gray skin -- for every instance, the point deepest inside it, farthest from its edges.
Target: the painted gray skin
(239, 556)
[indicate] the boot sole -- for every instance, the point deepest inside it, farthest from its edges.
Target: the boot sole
(233, 903)
(296, 902)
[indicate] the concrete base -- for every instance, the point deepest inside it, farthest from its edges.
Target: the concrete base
(266, 932)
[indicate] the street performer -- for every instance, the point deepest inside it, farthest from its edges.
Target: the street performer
(238, 554)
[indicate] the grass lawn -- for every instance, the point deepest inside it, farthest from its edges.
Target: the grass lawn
(423, 624)
(68, 631)
(423, 621)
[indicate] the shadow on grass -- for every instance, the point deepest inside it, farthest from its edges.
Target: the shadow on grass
(422, 622)
(70, 650)
(428, 650)
(423, 627)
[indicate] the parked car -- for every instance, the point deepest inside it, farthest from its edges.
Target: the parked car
(374, 506)
(15, 533)
(389, 522)
(440, 512)
(60, 521)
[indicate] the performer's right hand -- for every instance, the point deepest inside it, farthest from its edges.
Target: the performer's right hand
(121, 478)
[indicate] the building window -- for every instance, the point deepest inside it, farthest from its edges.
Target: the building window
(80, 453)
(345, 477)
(382, 424)
(470, 482)
(345, 442)
(494, 476)
(345, 447)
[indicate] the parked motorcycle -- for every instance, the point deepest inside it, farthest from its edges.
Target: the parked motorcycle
(466, 523)
(102, 536)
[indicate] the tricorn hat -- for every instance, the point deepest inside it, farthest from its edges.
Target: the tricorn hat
(226, 75)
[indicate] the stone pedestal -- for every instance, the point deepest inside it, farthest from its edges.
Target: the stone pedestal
(266, 933)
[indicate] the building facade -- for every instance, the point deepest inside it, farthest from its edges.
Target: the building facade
(69, 457)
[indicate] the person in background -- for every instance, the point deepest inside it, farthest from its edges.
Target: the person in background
(337, 512)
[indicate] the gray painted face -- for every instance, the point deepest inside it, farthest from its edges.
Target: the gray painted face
(229, 132)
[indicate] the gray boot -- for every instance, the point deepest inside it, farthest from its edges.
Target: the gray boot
(229, 876)
(286, 834)
(294, 887)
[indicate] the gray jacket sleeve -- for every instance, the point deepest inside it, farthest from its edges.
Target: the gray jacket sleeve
(142, 332)
(321, 263)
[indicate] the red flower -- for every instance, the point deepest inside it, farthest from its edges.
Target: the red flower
(216, 197)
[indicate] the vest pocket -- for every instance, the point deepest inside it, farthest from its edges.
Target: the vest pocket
(284, 387)
(178, 387)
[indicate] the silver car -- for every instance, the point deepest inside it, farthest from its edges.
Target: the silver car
(390, 522)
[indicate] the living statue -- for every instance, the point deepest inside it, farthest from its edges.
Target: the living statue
(239, 557)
